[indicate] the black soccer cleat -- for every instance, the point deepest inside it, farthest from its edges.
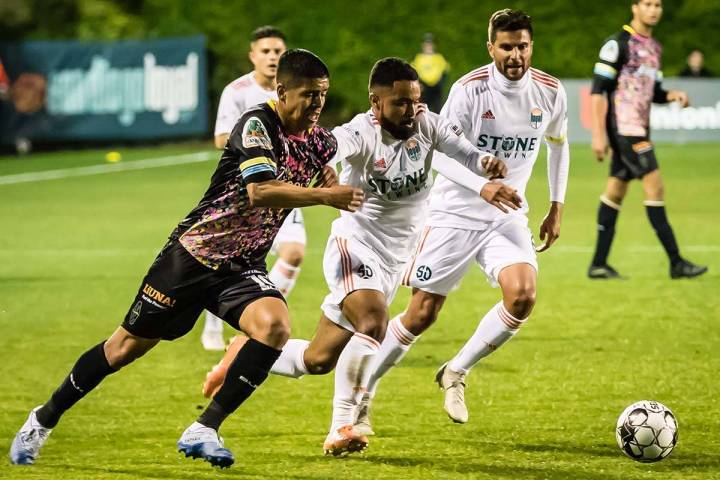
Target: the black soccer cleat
(605, 272)
(685, 269)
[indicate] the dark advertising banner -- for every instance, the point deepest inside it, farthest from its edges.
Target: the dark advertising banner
(69, 90)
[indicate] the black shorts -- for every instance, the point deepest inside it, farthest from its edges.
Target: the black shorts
(177, 288)
(632, 157)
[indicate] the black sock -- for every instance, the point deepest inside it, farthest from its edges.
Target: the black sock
(86, 374)
(664, 231)
(606, 218)
(249, 369)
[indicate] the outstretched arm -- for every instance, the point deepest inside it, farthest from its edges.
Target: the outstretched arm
(277, 194)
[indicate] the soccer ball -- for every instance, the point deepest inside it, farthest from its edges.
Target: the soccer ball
(647, 431)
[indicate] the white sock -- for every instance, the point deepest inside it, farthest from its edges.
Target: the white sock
(284, 276)
(291, 362)
(396, 344)
(351, 378)
(495, 328)
(213, 324)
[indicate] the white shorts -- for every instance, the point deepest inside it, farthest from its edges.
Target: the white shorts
(443, 255)
(291, 231)
(350, 265)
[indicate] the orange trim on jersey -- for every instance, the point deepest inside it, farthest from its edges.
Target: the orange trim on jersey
(479, 76)
(421, 244)
(402, 338)
(545, 82)
(543, 74)
(369, 340)
(346, 265)
(481, 70)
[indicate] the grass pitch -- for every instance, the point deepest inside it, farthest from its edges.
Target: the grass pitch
(73, 251)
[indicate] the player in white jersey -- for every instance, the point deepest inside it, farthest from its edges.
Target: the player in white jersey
(505, 107)
(266, 46)
(389, 153)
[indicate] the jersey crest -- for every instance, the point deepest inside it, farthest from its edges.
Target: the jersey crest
(536, 118)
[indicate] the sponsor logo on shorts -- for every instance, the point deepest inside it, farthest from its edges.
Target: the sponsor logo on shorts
(157, 297)
(642, 147)
(535, 118)
(364, 272)
(135, 312)
(423, 273)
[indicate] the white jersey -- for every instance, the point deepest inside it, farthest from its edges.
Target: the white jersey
(508, 119)
(238, 96)
(396, 178)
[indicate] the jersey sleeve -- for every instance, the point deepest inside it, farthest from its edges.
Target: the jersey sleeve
(251, 141)
(609, 63)
(557, 129)
(349, 141)
(228, 112)
(458, 109)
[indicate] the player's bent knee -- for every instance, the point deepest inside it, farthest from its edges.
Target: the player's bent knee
(373, 323)
(274, 330)
(521, 300)
(120, 352)
(320, 363)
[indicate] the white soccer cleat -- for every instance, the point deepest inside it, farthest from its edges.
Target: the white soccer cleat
(343, 441)
(362, 424)
(453, 383)
(29, 440)
(199, 441)
(213, 341)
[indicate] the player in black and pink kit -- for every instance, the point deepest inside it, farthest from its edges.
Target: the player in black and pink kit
(627, 80)
(215, 259)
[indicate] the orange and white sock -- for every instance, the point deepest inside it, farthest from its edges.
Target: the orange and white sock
(284, 276)
(396, 344)
(496, 327)
(351, 378)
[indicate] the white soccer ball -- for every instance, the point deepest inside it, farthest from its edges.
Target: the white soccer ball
(647, 431)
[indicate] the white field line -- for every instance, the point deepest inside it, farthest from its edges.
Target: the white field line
(635, 248)
(107, 168)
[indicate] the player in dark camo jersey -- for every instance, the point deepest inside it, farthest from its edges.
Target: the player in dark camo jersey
(215, 259)
(627, 81)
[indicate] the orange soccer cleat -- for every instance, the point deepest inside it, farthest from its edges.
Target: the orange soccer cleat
(343, 441)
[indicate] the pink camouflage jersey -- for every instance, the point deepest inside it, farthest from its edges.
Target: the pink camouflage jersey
(629, 71)
(224, 230)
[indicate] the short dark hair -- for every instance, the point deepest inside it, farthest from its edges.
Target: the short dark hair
(299, 63)
(267, 31)
(389, 70)
(508, 20)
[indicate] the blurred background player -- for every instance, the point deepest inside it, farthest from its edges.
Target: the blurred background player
(695, 66)
(627, 80)
(432, 68)
(507, 108)
(266, 46)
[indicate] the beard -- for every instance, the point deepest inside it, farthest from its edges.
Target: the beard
(399, 131)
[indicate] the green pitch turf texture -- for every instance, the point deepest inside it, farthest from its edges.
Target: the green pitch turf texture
(73, 251)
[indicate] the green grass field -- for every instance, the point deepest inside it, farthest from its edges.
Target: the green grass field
(73, 251)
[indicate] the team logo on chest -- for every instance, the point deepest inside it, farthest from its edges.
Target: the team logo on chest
(413, 149)
(380, 163)
(535, 118)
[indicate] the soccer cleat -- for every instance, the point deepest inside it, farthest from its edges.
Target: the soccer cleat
(685, 269)
(362, 424)
(199, 441)
(453, 383)
(28, 440)
(212, 341)
(605, 272)
(344, 441)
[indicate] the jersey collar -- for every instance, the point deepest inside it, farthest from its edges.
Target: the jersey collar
(505, 85)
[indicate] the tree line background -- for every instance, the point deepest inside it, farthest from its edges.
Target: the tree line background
(351, 35)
